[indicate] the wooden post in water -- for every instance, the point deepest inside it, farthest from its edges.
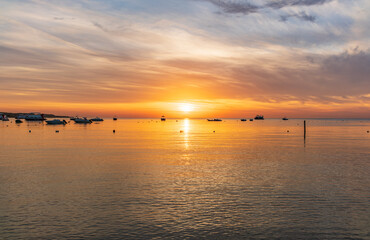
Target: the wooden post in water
(304, 126)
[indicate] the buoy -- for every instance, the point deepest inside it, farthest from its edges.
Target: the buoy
(287, 131)
(29, 130)
(181, 131)
(114, 131)
(214, 131)
(368, 131)
(56, 131)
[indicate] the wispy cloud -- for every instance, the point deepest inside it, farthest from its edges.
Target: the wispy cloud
(247, 7)
(285, 3)
(228, 6)
(301, 15)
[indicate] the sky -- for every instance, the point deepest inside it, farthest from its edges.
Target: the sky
(186, 58)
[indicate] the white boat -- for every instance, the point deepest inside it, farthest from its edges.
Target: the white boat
(35, 117)
(82, 120)
(4, 118)
(97, 119)
(56, 122)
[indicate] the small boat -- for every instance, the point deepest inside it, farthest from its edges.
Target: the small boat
(18, 121)
(251, 119)
(56, 122)
(284, 118)
(4, 118)
(114, 119)
(163, 118)
(259, 117)
(35, 117)
(82, 120)
(214, 120)
(243, 120)
(21, 116)
(97, 119)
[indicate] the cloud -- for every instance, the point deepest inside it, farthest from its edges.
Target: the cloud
(334, 78)
(229, 6)
(246, 7)
(301, 15)
(277, 4)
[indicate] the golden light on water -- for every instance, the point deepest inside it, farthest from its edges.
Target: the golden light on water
(186, 127)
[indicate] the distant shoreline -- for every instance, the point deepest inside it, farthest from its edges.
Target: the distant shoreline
(47, 115)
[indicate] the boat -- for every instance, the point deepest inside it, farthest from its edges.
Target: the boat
(56, 122)
(82, 120)
(214, 120)
(259, 117)
(114, 119)
(4, 118)
(34, 117)
(163, 118)
(251, 119)
(243, 120)
(21, 116)
(18, 121)
(284, 118)
(97, 119)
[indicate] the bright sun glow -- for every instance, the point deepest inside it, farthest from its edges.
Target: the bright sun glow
(186, 107)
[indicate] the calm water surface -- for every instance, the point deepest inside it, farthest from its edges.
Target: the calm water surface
(246, 180)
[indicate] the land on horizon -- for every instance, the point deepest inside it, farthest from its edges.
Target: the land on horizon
(48, 115)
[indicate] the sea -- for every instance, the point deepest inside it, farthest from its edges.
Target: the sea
(186, 179)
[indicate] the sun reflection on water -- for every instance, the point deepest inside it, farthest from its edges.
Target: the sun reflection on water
(186, 126)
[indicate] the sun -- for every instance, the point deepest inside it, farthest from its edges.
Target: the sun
(186, 107)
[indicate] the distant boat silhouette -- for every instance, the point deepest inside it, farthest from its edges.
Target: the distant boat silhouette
(259, 117)
(56, 122)
(18, 121)
(243, 120)
(251, 119)
(35, 117)
(4, 118)
(97, 119)
(82, 120)
(284, 118)
(214, 120)
(163, 118)
(114, 119)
